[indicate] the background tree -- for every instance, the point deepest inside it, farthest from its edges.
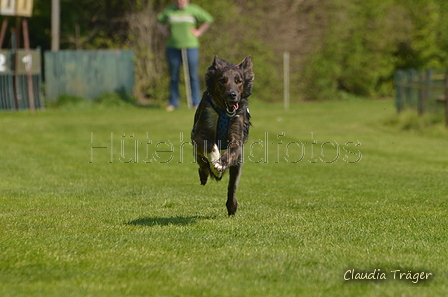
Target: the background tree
(337, 46)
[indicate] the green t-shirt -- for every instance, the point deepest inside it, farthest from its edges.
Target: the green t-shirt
(180, 22)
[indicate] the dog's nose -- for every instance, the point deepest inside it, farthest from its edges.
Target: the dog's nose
(233, 94)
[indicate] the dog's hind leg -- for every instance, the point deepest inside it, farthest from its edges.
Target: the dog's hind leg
(204, 170)
(235, 173)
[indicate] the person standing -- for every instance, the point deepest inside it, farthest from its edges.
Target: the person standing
(183, 24)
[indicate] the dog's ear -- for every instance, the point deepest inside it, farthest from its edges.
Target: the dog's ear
(217, 63)
(211, 73)
(246, 67)
(246, 64)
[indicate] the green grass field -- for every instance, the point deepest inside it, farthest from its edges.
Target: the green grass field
(106, 201)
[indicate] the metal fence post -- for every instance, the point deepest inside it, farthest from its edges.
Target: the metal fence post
(427, 88)
(421, 94)
(411, 75)
(446, 98)
(398, 78)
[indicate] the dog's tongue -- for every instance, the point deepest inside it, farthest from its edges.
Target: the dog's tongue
(231, 109)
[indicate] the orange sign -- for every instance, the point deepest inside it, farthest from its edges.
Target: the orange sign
(16, 7)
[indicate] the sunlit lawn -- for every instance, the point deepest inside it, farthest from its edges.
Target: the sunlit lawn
(100, 201)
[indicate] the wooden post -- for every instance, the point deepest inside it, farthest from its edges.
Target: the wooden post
(3, 31)
(286, 80)
(187, 77)
(55, 24)
(28, 64)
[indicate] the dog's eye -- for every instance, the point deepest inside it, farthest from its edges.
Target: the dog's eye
(238, 80)
(222, 80)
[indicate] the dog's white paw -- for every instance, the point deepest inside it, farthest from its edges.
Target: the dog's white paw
(216, 169)
(213, 158)
(219, 167)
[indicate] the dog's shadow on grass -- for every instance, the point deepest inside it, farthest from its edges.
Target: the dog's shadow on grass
(176, 221)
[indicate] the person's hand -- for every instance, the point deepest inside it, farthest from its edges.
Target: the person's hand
(165, 31)
(201, 30)
(196, 32)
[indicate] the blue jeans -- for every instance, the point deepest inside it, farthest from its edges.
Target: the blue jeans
(174, 57)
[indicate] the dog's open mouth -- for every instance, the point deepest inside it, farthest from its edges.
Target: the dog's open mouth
(231, 108)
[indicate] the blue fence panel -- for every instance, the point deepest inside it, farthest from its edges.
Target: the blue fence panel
(88, 73)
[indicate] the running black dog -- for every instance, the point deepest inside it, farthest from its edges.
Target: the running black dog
(221, 123)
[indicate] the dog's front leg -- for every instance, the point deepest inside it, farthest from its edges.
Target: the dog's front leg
(234, 148)
(214, 158)
(207, 155)
(229, 157)
(232, 204)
